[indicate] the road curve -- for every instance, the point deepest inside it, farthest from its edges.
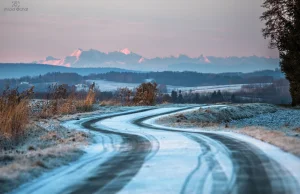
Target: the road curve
(254, 172)
(133, 156)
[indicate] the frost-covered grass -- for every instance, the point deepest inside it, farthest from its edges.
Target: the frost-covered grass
(284, 118)
(212, 115)
(39, 151)
(268, 123)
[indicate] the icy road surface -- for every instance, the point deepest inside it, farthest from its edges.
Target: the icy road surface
(132, 154)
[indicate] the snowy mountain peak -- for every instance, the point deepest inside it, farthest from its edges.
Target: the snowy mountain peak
(125, 51)
(126, 59)
(76, 53)
(204, 59)
(142, 60)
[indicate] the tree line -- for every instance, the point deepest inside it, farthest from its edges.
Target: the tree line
(188, 79)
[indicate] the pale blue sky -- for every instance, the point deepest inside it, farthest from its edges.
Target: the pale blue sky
(148, 27)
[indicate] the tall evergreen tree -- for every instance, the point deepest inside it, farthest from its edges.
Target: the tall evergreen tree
(233, 98)
(197, 98)
(220, 96)
(174, 96)
(214, 97)
(180, 97)
(282, 20)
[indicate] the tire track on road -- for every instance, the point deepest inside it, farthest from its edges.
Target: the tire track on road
(112, 175)
(254, 171)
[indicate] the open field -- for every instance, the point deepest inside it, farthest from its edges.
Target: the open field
(112, 86)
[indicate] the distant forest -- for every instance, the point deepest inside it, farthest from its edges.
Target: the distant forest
(188, 79)
(18, 70)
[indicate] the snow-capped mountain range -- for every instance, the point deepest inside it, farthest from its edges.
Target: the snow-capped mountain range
(126, 59)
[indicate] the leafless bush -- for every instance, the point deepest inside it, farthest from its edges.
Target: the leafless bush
(124, 96)
(146, 94)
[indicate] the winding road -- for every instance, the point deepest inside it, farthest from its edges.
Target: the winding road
(132, 154)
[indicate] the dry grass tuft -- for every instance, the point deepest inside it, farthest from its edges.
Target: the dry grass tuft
(277, 138)
(60, 103)
(51, 135)
(110, 103)
(297, 130)
(40, 164)
(86, 104)
(14, 111)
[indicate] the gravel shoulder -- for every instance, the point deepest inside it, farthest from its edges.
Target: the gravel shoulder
(272, 124)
